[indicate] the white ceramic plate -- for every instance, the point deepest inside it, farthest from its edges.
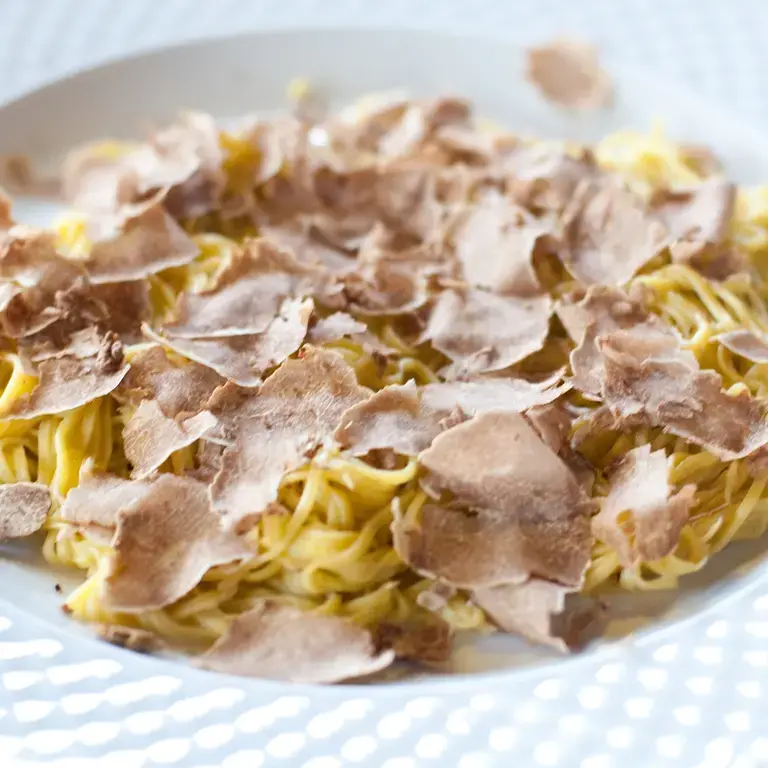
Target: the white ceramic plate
(687, 689)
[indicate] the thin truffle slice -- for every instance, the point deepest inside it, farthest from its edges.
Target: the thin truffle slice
(246, 296)
(654, 379)
(527, 513)
(641, 517)
(24, 508)
(495, 244)
(609, 233)
(130, 638)
(428, 643)
(569, 74)
(482, 332)
(279, 642)
(745, 343)
(68, 382)
(277, 428)
(540, 611)
(390, 418)
(98, 498)
(150, 436)
(245, 359)
(164, 544)
(148, 241)
(492, 394)
(599, 311)
(334, 327)
(697, 218)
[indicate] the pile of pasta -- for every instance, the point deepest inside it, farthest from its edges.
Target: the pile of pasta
(316, 394)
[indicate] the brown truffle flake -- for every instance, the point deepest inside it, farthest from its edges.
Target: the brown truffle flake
(654, 379)
(540, 611)
(641, 517)
(745, 343)
(148, 241)
(164, 544)
(309, 247)
(150, 437)
(98, 498)
(697, 218)
(495, 242)
(19, 177)
(182, 163)
(427, 643)
(335, 327)
(68, 382)
(492, 394)
(390, 418)
(244, 359)
(24, 508)
(277, 427)
(482, 332)
(246, 296)
(279, 642)
(600, 311)
(529, 516)
(609, 234)
(544, 178)
(180, 390)
(130, 638)
(569, 75)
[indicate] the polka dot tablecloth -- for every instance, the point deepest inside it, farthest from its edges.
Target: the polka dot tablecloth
(694, 695)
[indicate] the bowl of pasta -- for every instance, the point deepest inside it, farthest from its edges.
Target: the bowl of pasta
(387, 376)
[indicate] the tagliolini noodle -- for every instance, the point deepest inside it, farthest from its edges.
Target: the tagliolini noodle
(334, 554)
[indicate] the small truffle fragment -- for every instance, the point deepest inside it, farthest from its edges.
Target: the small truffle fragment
(164, 544)
(697, 218)
(150, 436)
(246, 296)
(745, 343)
(279, 642)
(654, 379)
(641, 517)
(608, 233)
(495, 245)
(245, 359)
(569, 74)
(599, 311)
(482, 332)
(130, 638)
(69, 382)
(276, 428)
(24, 508)
(527, 513)
(98, 498)
(390, 418)
(540, 611)
(148, 241)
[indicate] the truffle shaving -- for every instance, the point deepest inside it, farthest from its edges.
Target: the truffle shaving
(641, 517)
(69, 382)
(745, 343)
(148, 241)
(540, 611)
(246, 296)
(24, 508)
(98, 498)
(245, 359)
(608, 233)
(150, 437)
(656, 380)
(279, 642)
(482, 332)
(527, 513)
(569, 74)
(277, 428)
(164, 544)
